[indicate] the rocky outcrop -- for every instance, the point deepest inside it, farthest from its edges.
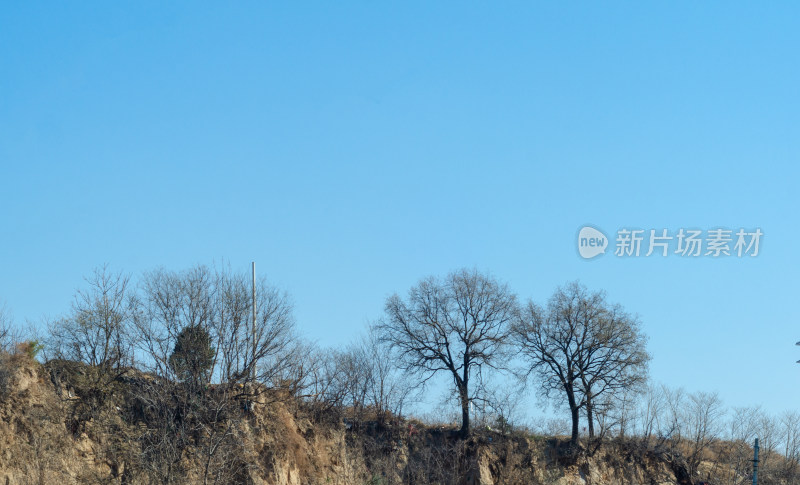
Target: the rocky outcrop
(50, 433)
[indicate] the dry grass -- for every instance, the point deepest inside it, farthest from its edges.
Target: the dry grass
(284, 441)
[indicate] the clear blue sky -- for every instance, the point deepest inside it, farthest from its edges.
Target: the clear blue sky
(352, 149)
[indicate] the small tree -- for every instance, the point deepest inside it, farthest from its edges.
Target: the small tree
(96, 331)
(167, 304)
(193, 357)
(390, 388)
(790, 431)
(245, 352)
(6, 330)
(703, 419)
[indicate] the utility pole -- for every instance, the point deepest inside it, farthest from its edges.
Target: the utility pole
(755, 463)
(253, 371)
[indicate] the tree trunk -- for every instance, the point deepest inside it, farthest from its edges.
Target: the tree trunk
(590, 415)
(574, 409)
(464, 415)
(575, 418)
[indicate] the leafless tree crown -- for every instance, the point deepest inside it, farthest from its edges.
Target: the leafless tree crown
(582, 348)
(456, 325)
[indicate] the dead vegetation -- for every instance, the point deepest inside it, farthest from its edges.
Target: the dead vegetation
(54, 428)
(180, 380)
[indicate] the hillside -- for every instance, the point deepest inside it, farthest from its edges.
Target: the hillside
(52, 432)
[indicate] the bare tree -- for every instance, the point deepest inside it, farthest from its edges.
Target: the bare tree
(7, 334)
(96, 333)
(551, 426)
(6, 348)
(614, 359)
(617, 412)
(742, 429)
(703, 425)
(674, 426)
(360, 377)
(169, 302)
(501, 408)
(651, 411)
(551, 342)
(325, 382)
(221, 304)
(96, 330)
(456, 325)
(245, 352)
(353, 377)
(301, 375)
(581, 348)
(195, 332)
(390, 389)
(768, 440)
(790, 436)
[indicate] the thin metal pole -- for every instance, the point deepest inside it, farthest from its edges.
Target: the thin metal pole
(253, 371)
(755, 463)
